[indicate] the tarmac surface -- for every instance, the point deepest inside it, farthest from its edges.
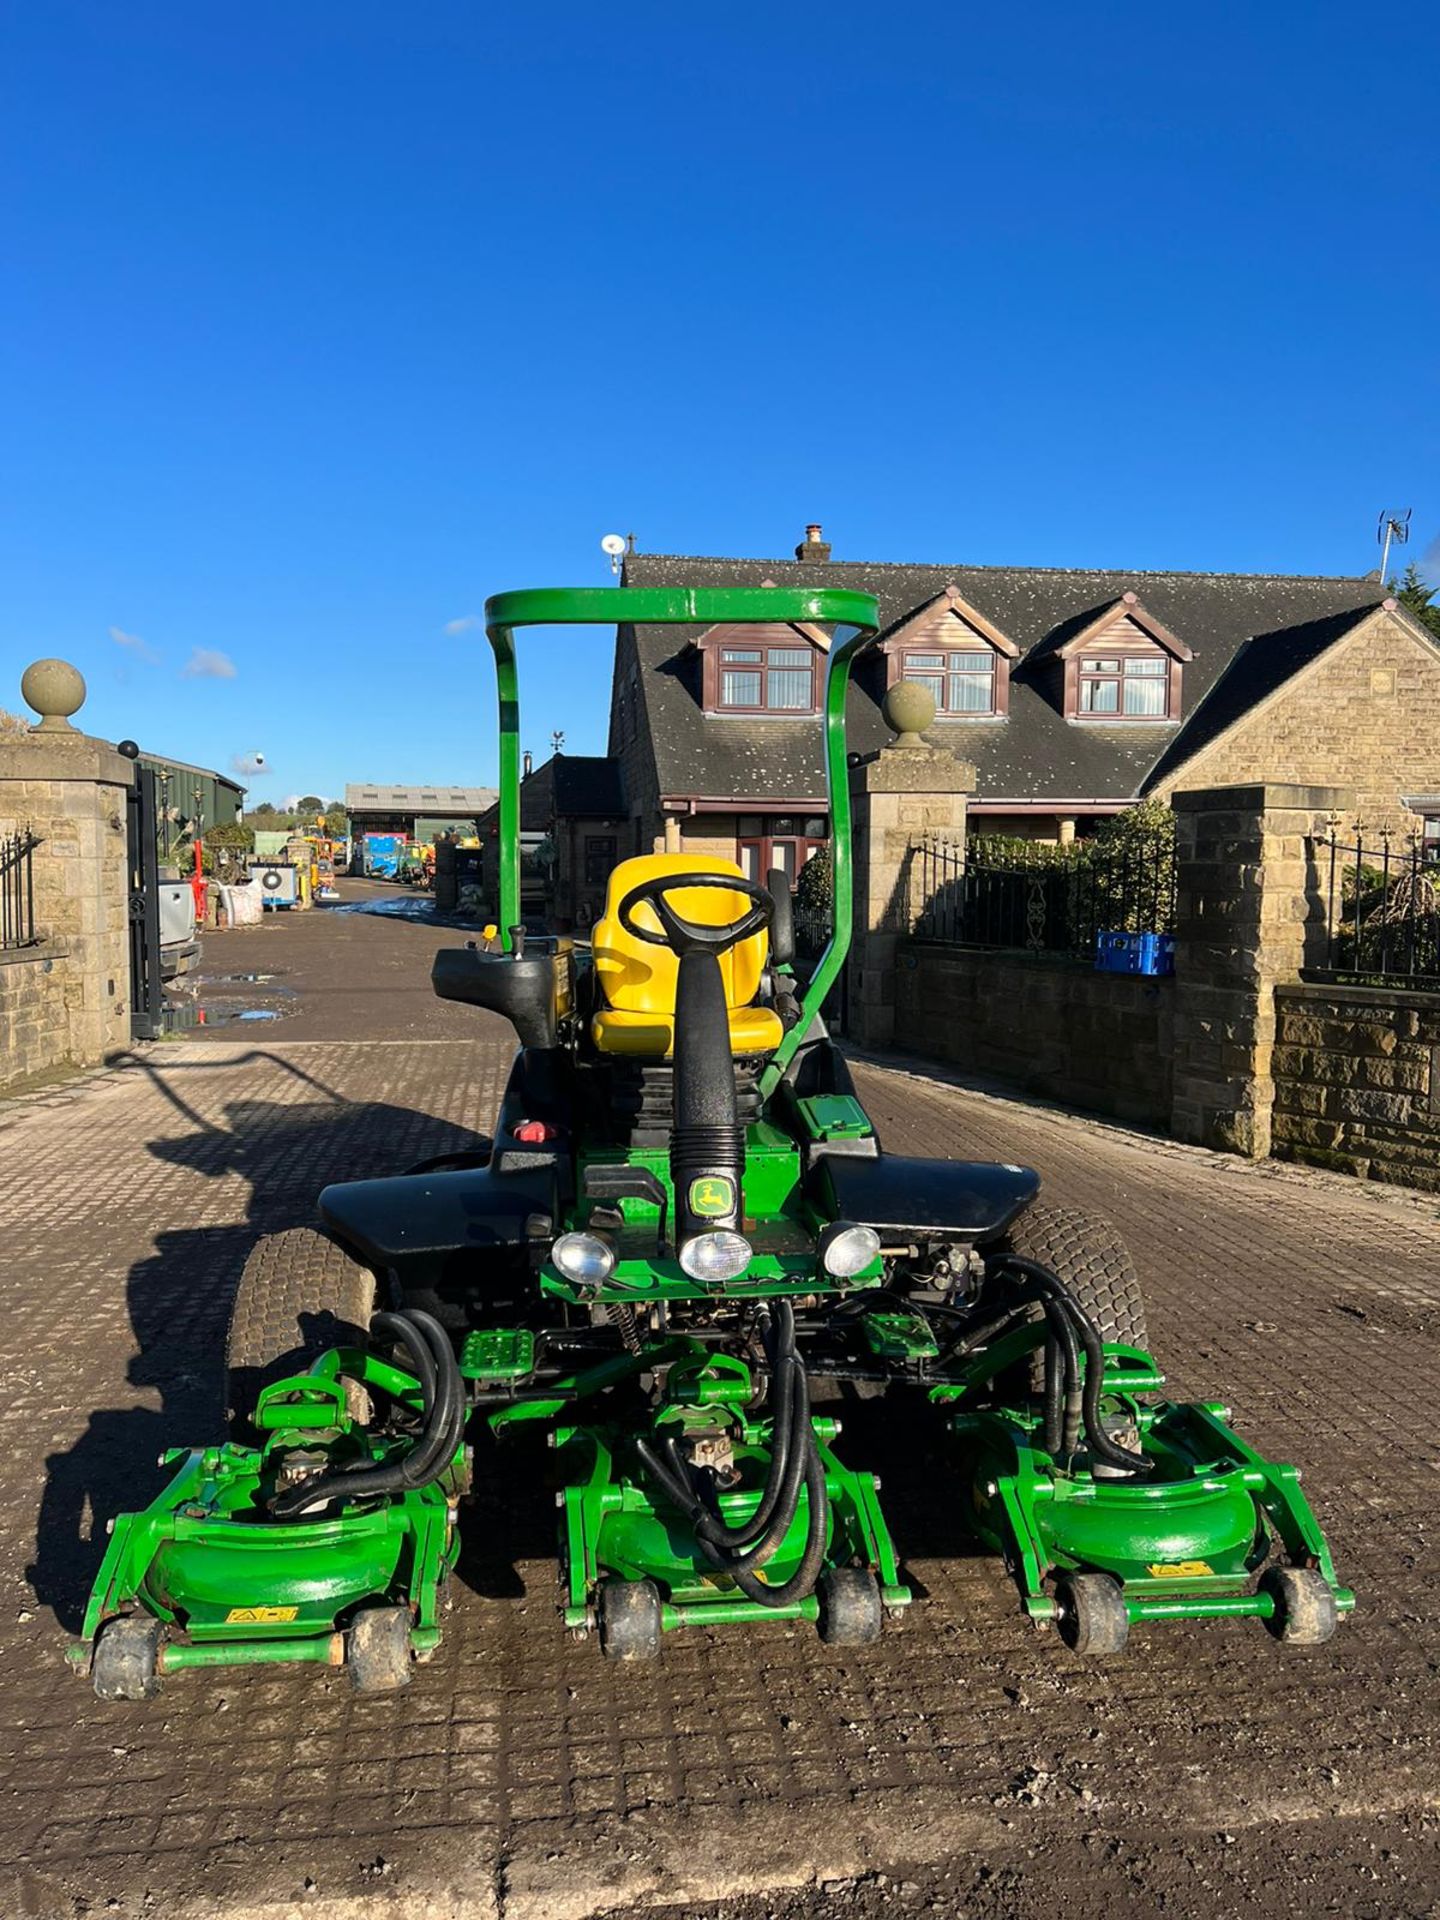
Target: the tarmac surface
(966, 1765)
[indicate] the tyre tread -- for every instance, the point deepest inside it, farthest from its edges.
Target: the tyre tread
(1088, 1254)
(299, 1293)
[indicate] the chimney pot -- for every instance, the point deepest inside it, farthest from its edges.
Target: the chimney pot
(813, 548)
(528, 764)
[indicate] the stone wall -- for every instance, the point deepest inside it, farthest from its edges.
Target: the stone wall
(67, 1002)
(1357, 1081)
(34, 1018)
(1047, 1024)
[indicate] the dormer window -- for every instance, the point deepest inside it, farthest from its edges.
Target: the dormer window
(767, 680)
(775, 669)
(1121, 666)
(1136, 685)
(963, 659)
(960, 679)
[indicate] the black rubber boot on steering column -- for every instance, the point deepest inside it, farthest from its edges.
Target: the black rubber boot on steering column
(706, 1144)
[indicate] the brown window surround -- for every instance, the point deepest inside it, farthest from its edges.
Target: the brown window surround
(774, 670)
(953, 675)
(1123, 676)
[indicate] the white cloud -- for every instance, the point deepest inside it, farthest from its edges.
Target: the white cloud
(208, 663)
(467, 623)
(134, 644)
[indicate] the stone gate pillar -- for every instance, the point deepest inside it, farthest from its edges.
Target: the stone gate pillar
(1250, 915)
(65, 1001)
(898, 795)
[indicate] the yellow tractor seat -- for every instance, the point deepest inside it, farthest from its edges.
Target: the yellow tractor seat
(637, 980)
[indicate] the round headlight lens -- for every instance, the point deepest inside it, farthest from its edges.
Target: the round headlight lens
(846, 1251)
(584, 1258)
(711, 1257)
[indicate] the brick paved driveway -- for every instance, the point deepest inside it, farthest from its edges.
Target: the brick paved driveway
(523, 1771)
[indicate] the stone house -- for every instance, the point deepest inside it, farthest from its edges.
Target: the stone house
(1075, 693)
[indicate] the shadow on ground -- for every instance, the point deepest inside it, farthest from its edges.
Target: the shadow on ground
(179, 1296)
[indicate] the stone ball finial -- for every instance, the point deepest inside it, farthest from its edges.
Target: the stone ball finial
(55, 690)
(908, 709)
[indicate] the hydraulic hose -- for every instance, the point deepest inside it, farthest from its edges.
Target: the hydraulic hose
(1083, 1328)
(784, 1367)
(794, 1464)
(1062, 1336)
(443, 1424)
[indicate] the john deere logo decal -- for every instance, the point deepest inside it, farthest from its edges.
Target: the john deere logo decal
(1179, 1569)
(712, 1196)
(260, 1616)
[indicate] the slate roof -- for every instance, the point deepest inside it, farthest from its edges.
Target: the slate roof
(364, 797)
(1277, 621)
(588, 785)
(571, 785)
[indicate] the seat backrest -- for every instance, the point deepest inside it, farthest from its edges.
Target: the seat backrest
(638, 978)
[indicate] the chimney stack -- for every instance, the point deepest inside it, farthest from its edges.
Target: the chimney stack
(813, 548)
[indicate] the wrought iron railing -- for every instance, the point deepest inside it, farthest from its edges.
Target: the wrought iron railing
(813, 922)
(17, 890)
(1041, 900)
(1382, 909)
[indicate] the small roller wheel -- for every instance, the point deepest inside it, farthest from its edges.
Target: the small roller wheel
(629, 1619)
(378, 1650)
(1092, 1613)
(850, 1610)
(126, 1664)
(1305, 1613)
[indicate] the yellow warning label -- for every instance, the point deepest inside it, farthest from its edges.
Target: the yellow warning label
(1179, 1570)
(260, 1616)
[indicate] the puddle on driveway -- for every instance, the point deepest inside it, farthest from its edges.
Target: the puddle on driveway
(218, 1000)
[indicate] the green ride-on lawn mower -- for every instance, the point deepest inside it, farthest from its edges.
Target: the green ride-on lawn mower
(684, 1224)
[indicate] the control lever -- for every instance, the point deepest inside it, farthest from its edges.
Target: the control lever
(607, 1181)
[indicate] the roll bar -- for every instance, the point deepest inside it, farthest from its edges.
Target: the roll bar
(855, 618)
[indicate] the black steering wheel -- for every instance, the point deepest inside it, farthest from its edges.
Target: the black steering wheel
(684, 936)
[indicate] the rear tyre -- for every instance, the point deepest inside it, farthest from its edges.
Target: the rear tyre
(299, 1294)
(1092, 1613)
(1086, 1252)
(126, 1664)
(850, 1610)
(1305, 1614)
(378, 1650)
(629, 1619)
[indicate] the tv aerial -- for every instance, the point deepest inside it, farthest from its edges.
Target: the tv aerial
(617, 545)
(1391, 527)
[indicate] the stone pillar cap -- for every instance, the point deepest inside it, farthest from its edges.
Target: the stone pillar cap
(55, 690)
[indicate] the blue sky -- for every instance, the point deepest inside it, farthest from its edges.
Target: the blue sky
(325, 320)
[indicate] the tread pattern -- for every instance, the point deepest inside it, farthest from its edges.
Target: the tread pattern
(1094, 1262)
(299, 1294)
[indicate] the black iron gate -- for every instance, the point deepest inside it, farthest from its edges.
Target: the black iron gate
(147, 1001)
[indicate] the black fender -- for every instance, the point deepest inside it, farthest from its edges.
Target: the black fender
(902, 1197)
(412, 1217)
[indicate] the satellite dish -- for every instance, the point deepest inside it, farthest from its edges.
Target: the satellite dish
(613, 544)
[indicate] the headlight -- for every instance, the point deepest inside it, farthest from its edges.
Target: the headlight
(584, 1258)
(846, 1251)
(712, 1257)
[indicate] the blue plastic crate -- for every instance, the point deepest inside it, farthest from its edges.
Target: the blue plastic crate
(1152, 953)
